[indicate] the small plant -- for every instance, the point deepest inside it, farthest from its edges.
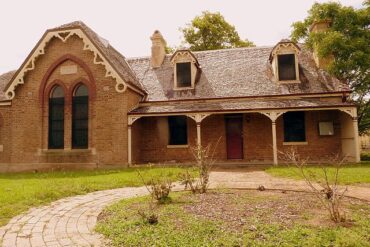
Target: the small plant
(326, 190)
(159, 188)
(198, 181)
(149, 216)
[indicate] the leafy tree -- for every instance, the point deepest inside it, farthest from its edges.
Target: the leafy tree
(348, 41)
(210, 31)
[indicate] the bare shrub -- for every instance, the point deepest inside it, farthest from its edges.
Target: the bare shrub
(197, 179)
(159, 187)
(326, 190)
(149, 216)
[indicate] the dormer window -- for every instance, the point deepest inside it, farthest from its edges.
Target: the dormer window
(186, 68)
(286, 67)
(183, 74)
(284, 61)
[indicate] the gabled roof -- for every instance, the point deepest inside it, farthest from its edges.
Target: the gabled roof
(239, 72)
(187, 51)
(284, 42)
(114, 58)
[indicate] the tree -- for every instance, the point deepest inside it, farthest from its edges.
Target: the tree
(348, 41)
(210, 31)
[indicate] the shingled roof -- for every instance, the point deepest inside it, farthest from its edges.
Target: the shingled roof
(230, 106)
(4, 79)
(236, 72)
(240, 72)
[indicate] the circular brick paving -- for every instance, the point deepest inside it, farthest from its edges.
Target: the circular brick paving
(71, 221)
(66, 222)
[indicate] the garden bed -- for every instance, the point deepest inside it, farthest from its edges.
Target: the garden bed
(236, 218)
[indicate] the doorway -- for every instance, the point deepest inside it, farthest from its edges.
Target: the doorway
(234, 136)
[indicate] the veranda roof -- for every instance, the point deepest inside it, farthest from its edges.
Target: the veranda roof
(235, 106)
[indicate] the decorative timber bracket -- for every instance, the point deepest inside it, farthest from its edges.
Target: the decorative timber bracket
(352, 111)
(273, 115)
(132, 119)
(198, 117)
(64, 35)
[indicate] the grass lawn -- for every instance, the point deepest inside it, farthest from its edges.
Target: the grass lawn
(235, 218)
(349, 174)
(19, 192)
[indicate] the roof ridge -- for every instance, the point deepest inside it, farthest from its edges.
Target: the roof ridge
(205, 51)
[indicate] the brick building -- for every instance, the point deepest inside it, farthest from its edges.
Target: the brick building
(76, 102)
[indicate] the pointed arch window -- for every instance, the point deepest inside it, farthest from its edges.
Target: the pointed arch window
(56, 118)
(80, 117)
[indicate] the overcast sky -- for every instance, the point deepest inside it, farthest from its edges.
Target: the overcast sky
(129, 24)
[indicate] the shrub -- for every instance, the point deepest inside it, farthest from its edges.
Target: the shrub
(365, 156)
(326, 190)
(198, 180)
(158, 187)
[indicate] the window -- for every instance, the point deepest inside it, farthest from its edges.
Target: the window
(56, 118)
(287, 68)
(183, 74)
(80, 117)
(326, 128)
(294, 127)
(178, 130)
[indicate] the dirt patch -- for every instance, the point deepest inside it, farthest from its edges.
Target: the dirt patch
(238, 209)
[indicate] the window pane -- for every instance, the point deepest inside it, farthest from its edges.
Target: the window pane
(56, 122)
(80, 120)
(294, 127)
(57, 92)
(81, 91)
(178, 130)
(183, 74)
(286, 67)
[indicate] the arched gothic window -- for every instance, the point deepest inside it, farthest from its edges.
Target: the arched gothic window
(56, 118)
(80, 117)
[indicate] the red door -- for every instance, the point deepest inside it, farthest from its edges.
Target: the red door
(234, 136)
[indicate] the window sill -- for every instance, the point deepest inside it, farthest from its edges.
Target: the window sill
(177, 146)
(183, 88)
(62, 152)
(289, 82)
(294, 143)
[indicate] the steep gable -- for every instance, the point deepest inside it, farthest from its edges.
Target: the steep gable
(104, 54)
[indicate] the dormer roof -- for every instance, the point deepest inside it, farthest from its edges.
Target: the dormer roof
(187, 52)
(283, 43)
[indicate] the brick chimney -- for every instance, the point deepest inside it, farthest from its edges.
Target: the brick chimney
(317, 27)
(158, 49)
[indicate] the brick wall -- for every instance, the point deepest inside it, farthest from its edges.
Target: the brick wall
(25, 134)
(257, 138)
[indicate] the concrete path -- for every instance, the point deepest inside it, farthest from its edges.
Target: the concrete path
(71, 221)
(241, 179)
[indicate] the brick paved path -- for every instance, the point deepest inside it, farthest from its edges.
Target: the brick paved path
(66, 222)
(71, 221)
